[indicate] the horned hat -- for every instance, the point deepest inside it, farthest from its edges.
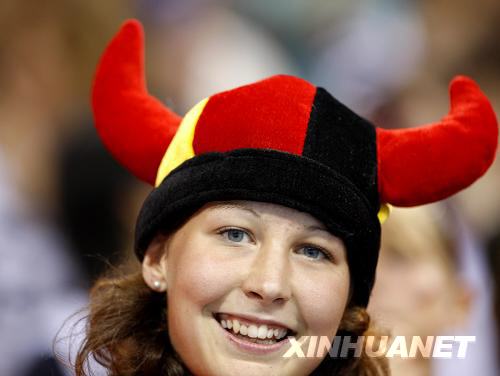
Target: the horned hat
(285, 141)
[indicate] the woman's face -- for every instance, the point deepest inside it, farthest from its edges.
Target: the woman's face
(263, 270)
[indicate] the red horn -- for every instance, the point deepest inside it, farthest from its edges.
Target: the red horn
(425, 164)
(136, 127)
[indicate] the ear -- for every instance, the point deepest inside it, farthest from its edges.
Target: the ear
(154, 264)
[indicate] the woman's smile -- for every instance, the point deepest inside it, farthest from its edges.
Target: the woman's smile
(253, 335)
(253, 327)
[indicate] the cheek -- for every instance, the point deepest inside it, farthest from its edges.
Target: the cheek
(197, 278)
(322, 299)
(196, 282)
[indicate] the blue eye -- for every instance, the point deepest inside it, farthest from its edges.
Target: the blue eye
(234, 235)
(313, 253)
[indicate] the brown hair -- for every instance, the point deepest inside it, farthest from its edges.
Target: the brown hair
(126, 332)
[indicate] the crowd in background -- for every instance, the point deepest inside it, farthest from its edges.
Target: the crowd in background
(67, 210)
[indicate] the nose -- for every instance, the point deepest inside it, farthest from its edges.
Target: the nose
(268, 280)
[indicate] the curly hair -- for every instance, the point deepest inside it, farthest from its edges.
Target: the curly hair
(126, 332)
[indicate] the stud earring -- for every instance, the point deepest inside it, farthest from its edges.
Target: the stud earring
(157, 284)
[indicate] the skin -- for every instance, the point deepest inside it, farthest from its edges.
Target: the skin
(275, 263)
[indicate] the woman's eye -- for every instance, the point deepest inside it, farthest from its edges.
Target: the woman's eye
(234, 235)
(313, 253)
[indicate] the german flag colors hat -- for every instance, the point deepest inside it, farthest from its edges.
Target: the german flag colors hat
(285, 141)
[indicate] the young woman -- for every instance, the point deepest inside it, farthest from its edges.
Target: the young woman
(262, 232)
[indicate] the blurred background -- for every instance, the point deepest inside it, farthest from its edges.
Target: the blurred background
(67, 210)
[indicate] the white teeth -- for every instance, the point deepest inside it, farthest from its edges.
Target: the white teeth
(270, 333)
(253, 331)
(236, 326)
(282, 333)
(262, 332)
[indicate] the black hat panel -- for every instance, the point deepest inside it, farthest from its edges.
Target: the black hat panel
(346, 142)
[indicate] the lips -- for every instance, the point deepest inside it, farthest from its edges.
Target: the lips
(253, 330)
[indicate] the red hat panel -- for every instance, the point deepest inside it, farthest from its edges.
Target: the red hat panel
(269, 114)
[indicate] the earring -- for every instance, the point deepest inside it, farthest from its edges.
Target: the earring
(157, 284)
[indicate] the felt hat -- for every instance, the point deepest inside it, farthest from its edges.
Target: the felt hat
(285, 141)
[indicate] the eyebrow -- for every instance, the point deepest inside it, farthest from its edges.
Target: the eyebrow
(318, 228)
(323, 229)
(231, 205)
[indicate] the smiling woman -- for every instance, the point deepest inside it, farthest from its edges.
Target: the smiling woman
(262, 232)
(241, 280)
(242, 277)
